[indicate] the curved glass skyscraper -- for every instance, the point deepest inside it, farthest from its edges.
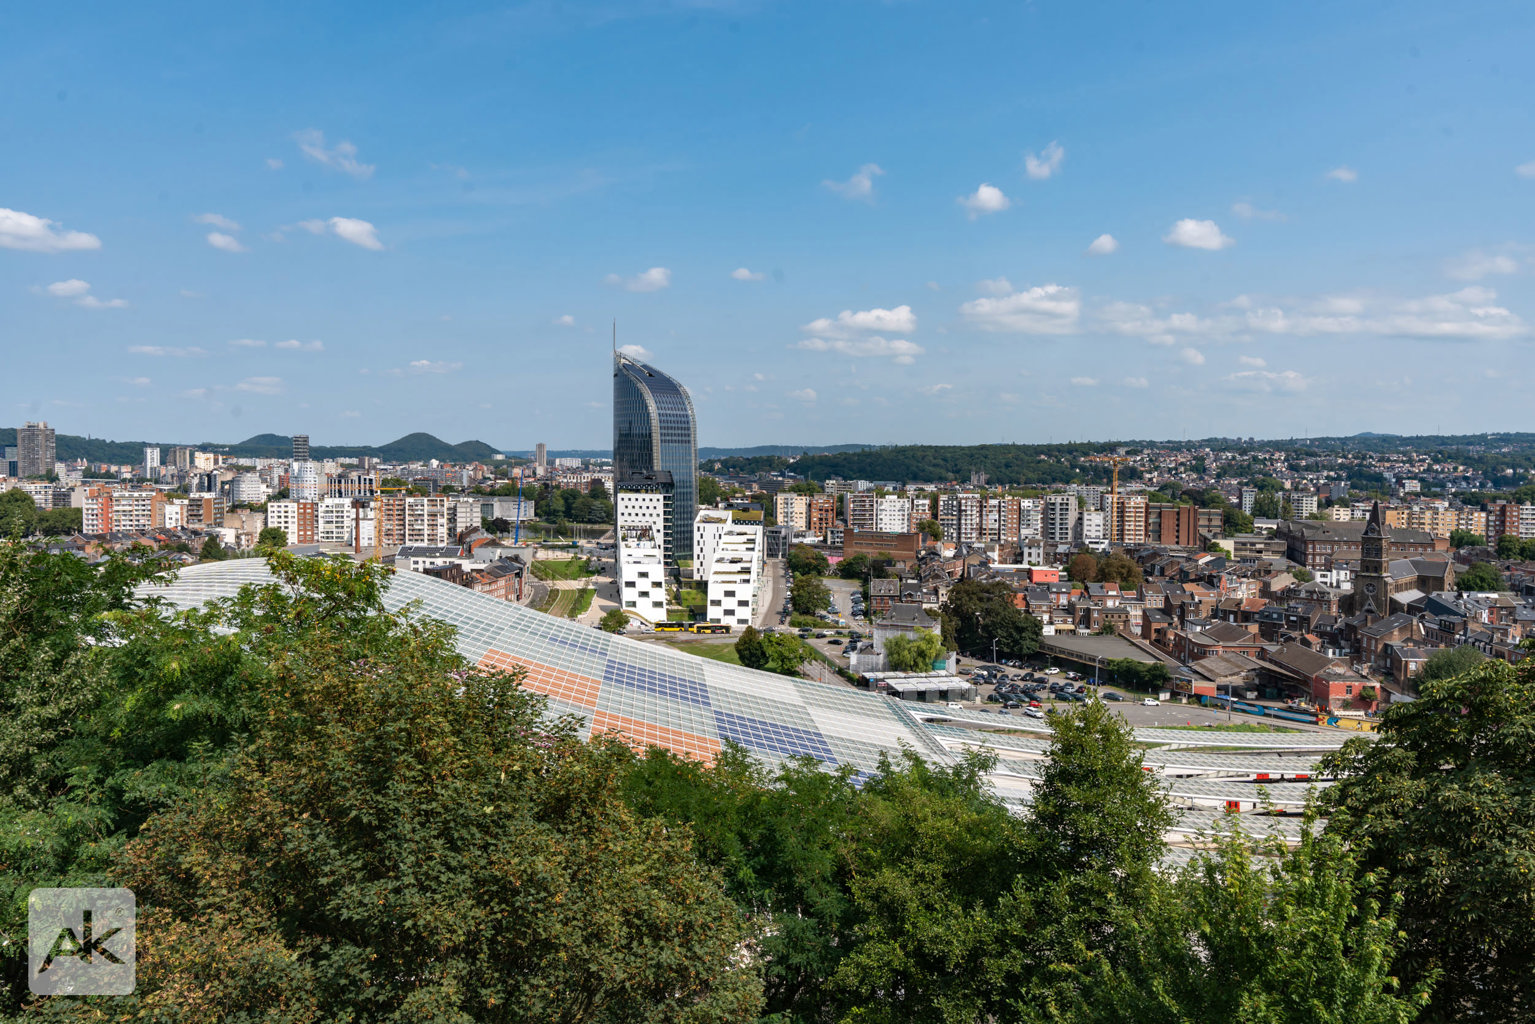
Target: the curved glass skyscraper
(654, 429)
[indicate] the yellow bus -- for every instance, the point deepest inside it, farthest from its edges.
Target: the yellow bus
(671, 627)
(710, 627)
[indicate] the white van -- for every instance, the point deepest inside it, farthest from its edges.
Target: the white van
(955, 706)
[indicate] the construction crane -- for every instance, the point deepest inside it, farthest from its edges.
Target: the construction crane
(1116, 461)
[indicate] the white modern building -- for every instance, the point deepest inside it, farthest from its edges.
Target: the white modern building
(304, 481)
(727, 556)
(641, 561)
(335, 521)
(1092, 529)
(151, 462)
(248, 489)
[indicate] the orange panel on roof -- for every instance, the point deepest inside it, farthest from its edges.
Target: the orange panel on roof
(570, 687)
(647, 734)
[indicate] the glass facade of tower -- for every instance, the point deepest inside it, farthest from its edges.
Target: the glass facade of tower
(654, 429)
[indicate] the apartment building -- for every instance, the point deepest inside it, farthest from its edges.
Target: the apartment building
(816, 513)
(961, 517)
(411, 519)
(1506, 518)
(335, 521)
(728, 557)
(114, 510)
(1127, 519)
(868, 512)
(35, 449)
(247, 489)
(305, 481)
(1091, 529)
(1060, 518)
(1302, 504)
(298, 520)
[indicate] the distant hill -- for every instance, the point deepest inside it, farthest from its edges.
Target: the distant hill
(785, 450)
(411, 447)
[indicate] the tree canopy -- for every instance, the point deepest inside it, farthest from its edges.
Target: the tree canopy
(975, 614)
(913, 652)
(806, 560)
(1481, 576)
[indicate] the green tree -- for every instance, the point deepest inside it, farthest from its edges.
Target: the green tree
(1083, 567)
(1118, 567)
(53, 522)
(272, 537)
(1237, 521)
(785, 653)
(808, 595)
(18, 513)
(750, 650)
(1302, 575)
(405, 838)
(913, 652)
(1466, 539)
(931, 528)
(1267, 506)
(709, 490)
(976, 613)
(614, 620)
(806, 560)
(213, 551)
(1481, 576)
(1449, 661)
(1439, 808)
(1509, 546)
(1147, 677)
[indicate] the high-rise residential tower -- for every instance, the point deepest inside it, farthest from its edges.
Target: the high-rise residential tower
(654, 429)
(300, 447)
(35, 451)
(541, 457)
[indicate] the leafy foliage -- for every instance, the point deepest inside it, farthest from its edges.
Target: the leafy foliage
(808, 595)
(976, 613)
(805, 560)
(914, 652)
(272, 537)
(1449, 661)
(614, 620)
(1440, 808)
(1481, 576)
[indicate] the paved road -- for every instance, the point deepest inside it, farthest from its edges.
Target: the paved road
(770, 597)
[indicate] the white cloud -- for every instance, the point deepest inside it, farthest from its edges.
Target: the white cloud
(1255, 361)
(1197, 234)
(1140, 321)
(1103, 245)
(995, 286)
(214, 220)
(1526, 170)
(985, 199)
(228, 243)
(743, 274)
(1046, 309)
(639, 352)
(1046, 163)
(358, 232)
(803, 395)
(1466, 315)
(138, 382)
(1247, 211)
(341, 157)
(1477, 264)
(1084, 382)
(247, 343)
(91, 302)
(873, 347)
(565, 321)
(430, 366)
(1267, 380)
(314, 227)
(936, 389)
(294, 345)
(166, 350)
(38, 234)
(1347, 175)
(261, 385)
(652, 280)
(350, 414)
(273, 164)
(1136, 382)
(900, 320)
(80, 291)
(68, 289)
(1192, 356)
(859, 186)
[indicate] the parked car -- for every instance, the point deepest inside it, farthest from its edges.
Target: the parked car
(1034, 704)
(1052, 671)
(1151, 702)
(1011, 704)
(1033, 713)
(954, 706)
(1111, 695)
(834, 642)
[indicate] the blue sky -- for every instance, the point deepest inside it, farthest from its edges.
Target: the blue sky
(835, 221)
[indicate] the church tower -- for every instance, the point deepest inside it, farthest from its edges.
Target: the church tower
(1372, 583)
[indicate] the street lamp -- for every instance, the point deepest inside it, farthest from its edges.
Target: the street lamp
(993, 650)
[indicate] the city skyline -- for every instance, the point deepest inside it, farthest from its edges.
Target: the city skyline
(997, 221)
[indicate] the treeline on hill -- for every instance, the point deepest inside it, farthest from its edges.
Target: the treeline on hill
(327, 814)
(418, 447)
(1003, 464)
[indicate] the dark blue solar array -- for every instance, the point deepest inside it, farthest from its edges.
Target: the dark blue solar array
(584, 646)
(662, 684)
(784, 740)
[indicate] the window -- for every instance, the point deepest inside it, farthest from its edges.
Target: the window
(1348, 691)
(629, 584)
(730, 593)
(715, 603)
(631, 604)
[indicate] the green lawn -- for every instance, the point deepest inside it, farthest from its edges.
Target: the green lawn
(692, 598)
(561, 569)
(714, 652)
(1243, 727)
(569, 603)
(582, 602)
